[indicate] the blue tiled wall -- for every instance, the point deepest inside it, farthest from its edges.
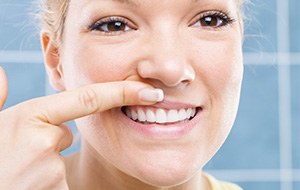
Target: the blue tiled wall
(260, 26)
(296, 115)
(295, 25)
(18, 31)
(254, 155)
(26, 81)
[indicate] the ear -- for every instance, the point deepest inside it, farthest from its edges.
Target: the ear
(52, 61)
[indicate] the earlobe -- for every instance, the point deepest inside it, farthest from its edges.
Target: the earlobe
(52, 62)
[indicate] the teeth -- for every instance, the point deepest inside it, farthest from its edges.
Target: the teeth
(141, 115)
(128, 113)
(133, 115)
(160, 116)
(172, 116)
(182, 114)
(150, 116)
(189, 111)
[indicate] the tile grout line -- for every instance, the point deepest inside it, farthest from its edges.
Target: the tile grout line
(252, 175)
(286, 174)
(21, 57)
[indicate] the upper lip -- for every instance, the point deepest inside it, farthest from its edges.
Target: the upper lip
(172, 105)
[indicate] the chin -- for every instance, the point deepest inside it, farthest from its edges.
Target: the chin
(166, 179)
(168, 171)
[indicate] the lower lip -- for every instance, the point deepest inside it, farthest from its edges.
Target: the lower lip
(168, 131)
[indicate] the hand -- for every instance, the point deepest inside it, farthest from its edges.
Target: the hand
(3, 88)
(32, 133)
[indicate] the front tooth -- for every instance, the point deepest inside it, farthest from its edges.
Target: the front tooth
(141, 115)
(182, 114)
(150, 116)
(161, 116)
(172, 116)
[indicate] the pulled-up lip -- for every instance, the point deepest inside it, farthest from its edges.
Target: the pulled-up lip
(163, 113)
(173, 105)
(173, 121)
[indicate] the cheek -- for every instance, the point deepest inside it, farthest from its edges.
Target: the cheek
(221, 67)
(94, 63)
(220, 70)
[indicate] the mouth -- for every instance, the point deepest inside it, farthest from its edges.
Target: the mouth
(161, 116)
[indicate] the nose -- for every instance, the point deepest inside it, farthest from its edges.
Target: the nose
(167, 61)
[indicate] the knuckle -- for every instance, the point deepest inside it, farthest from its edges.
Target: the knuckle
(49, 145)
(50, 141)
(57, 174)
(88, 98)
(59, 170)
(124, 95)
(118, 97)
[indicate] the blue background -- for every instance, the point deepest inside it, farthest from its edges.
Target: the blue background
(262, 152)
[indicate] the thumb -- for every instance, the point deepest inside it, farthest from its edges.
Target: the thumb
(3, 87)
(66, 139)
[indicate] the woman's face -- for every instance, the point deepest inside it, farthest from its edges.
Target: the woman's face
(190, 49)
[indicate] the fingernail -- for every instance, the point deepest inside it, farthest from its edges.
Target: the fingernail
(151, 95)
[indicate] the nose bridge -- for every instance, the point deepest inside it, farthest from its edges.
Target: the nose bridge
(167, 59)
(166, 54)
(166, 44)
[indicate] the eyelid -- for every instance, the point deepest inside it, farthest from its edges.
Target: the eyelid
(107, 19)
(217, 13)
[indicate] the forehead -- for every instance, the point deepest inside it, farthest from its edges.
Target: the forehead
(151, 9)
(157, 3)
(136, 2)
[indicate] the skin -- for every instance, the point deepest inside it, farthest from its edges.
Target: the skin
(3, 87)
(32, 140)
(101, 72)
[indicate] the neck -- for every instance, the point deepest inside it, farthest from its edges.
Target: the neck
(88, 170)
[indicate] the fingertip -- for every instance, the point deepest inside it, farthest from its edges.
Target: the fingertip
(160, 94)
(3, 87)
(151, 95)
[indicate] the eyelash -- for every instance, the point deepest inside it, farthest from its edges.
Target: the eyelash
(222, 16)
(103, 25)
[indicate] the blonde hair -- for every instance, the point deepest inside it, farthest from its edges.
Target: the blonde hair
(53, 15)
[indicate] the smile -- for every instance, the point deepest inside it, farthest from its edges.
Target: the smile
(152, 115)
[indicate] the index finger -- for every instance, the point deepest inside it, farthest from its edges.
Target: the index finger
(70, 105)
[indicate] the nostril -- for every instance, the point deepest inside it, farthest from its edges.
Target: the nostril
(169, 72)
(186, 81)
(188, 75)
(183, 84)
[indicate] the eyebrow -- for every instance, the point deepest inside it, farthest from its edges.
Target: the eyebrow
(134, 3)
(129, 2)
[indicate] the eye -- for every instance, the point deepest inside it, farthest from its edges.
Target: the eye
(111, 25)
(212, 20)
